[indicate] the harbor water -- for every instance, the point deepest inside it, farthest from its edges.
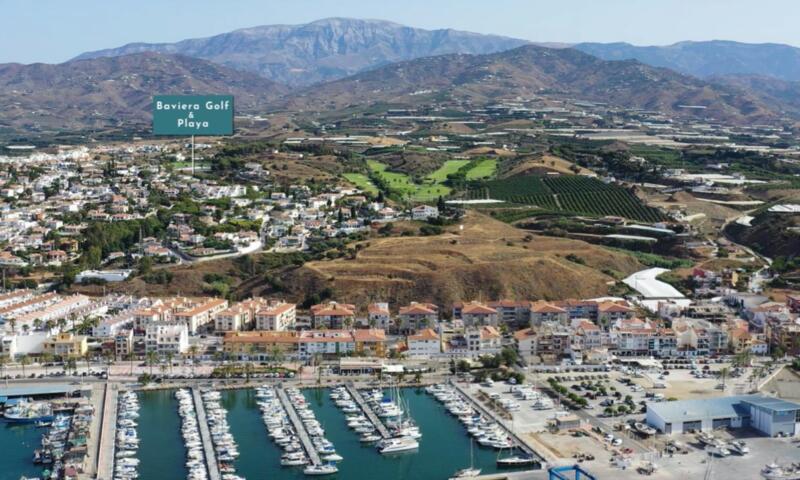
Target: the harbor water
(161, 452)
(444, 446)
(17, 443)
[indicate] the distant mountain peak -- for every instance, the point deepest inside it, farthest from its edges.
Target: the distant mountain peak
(323, 50)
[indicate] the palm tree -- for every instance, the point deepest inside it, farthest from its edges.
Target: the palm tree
(151, 360)
(13, 323)
(49, 325)
(723, 374)
(130, 359)
(277, 355)
(193, 355)
(46, 358)
(37, 324)
(170, 356)
(24, 360)
(3, 367)
(108, 359)
(87, 357)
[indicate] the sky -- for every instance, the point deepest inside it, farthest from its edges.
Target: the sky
(54, 31)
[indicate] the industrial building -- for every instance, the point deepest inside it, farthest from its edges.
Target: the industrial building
(770, 416)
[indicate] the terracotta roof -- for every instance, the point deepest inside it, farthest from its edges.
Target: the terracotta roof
(613, 307)
(489, 331)
(419, 309)
(425, 334)
(369, 335)
(525, 333)
(475, 308)
(546, 307)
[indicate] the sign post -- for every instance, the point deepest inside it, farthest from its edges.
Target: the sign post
(190, 115)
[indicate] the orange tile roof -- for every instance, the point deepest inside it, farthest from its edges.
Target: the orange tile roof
(425, 334)
(546, 307)
(475, 308)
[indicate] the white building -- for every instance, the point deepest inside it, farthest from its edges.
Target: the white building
(425, 344)
(164, 338)
(278, 316)
(768, 415)
(105, 275)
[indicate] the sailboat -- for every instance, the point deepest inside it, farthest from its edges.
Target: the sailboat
(470, 472)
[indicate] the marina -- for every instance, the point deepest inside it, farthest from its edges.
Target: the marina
(252, 434)
(299, 429)
(376, 422)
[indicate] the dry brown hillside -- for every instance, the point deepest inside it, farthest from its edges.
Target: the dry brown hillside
(488, 259)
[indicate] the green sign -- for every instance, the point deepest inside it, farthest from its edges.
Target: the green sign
(193, 115)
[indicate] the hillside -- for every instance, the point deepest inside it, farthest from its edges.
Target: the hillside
(782, 96)
(320, 51)
(770, 234)
(707, 59)
(116, 91)
(488, 259)
(532, 70)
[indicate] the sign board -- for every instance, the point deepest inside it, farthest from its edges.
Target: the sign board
(193, 115)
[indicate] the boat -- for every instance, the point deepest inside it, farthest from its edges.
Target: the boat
(738, 447)
(517, 461)
(328, 469)
(470, 472)
(29, 412)
(718, 449)
(333, 457)
(398, 445)
(706, 438)
(644, 429)
(773, 471)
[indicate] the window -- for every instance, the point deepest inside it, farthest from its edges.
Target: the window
(797, 416)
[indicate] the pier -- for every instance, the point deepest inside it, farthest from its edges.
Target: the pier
(205, 435)
(300, 428)
(108, 432)
(367, 410)
(518, 441)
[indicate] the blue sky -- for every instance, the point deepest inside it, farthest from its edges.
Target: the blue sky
(57, 30)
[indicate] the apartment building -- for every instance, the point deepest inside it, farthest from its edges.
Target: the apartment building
(276, 316)
(418, 316)
(425, 344)
(166, 338)
(66, 345)
(333, 315)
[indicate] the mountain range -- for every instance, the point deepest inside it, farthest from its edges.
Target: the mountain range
(533, 70)
(320, 51)
(112, 91)
(708, 59)
(338, 62)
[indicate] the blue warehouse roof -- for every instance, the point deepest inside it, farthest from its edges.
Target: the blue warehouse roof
(723, 407)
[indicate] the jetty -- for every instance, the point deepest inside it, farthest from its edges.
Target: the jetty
(108, 432)
(519, 442)
(299, 428)
(205, 436)
(379, 425)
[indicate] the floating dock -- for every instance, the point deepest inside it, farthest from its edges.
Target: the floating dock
(205, 436)
(518, 441)
(379, 425)
(313, 455)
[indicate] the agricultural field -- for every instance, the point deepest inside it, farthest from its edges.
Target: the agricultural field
(361, 181)
(573, 194)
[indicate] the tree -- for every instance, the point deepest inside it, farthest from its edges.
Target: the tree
(418, 377)
(130, 359)
(723, 374)
(24, 360)
(170, 356)
(193, 355)
(151, 360)
(88, 358)
(46, 358)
